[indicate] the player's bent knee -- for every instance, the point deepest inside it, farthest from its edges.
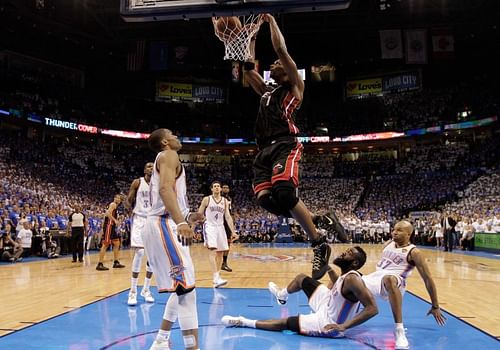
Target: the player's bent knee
(284, 194)
(188, 316)
(266, 201)
(390, 282)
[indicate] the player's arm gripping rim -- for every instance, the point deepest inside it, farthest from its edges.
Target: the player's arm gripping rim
(354, 285)
(417, 258)
(169, 166)
(285, 59)
(132, 193)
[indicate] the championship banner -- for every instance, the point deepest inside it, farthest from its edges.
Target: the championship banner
(391, 44)
(443, 44)
(169, 90)
(401, 82)
(362, 87)
(416, 46)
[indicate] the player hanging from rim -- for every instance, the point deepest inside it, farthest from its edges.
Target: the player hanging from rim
(230, 236)
(216, 209)
(138, 196)
(110, 236)
(276, 166)
(388, 282)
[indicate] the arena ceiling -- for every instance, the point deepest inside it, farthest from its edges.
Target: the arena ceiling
(86, 32)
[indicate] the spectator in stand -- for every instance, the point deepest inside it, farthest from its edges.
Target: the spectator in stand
(25, 237)
(10, 249)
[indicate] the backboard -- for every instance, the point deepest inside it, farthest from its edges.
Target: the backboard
(161, 10)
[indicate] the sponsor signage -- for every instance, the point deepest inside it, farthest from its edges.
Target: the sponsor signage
(65, 124)
(401, 82)
(125, 134)
(363, 87)
(174, 90)
(373, 136)
(213, 93)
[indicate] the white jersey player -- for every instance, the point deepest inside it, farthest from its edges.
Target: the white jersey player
(345, 303)
(139, 196)
(167, 236)
(399, 258)
(216, 209)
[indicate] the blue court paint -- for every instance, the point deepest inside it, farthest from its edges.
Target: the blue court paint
(111, 324)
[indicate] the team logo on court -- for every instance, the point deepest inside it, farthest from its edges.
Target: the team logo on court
(264, 258)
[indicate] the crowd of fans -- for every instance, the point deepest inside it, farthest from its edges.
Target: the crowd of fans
(42, 180)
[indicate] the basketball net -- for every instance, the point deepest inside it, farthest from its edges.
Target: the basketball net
(237, 40)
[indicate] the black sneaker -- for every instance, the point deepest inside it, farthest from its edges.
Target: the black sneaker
(226, 268)
(331, 223)
(101, 267)
(117, 265)
(320, 261)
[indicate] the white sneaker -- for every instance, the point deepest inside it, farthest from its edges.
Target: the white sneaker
(146, 294)
(164, 345)
(132, 298)
(219, 282)
(401, 340)
(274, 289)
(232, 321)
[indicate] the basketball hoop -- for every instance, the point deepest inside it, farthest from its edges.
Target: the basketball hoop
(236, 37)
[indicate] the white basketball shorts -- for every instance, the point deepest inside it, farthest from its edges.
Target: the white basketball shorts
(373, 282)
(138, 223)
(215, 237)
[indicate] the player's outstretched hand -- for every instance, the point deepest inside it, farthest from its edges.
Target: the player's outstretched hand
(440, 318)
(332, 327)
(267, 17)
(196, 218)
(185, 234)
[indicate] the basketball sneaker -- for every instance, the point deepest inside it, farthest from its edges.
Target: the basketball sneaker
(276, 291)
(132, 298)
(401, 340)
(146, 294)
(226, 268)
(117, 265)
(331, 223)
(101, 267)
(157, 345)
(320, 260)
(219, 282)
(232, 321)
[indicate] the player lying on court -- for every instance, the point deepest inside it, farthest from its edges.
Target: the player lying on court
(388, 282)
(345, 303)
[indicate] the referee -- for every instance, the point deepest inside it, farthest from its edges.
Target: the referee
(77, 225)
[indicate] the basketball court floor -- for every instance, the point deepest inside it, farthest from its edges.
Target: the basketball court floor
(55, 304)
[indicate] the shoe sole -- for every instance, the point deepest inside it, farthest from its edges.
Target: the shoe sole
(220, 284)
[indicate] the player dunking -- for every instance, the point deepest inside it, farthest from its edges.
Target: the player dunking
(110, 236)
(138, 195)
(216, 209)
(399, 258)
(166, 237)
(276, 166)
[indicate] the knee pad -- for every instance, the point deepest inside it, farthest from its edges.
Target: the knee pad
(171, 309)
(136, 263)
(188, 314)
(267, 202)
(284, 193)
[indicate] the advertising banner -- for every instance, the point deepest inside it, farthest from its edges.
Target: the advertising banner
(401, 82)
(372, 86)
(178, 90)
(211, 93)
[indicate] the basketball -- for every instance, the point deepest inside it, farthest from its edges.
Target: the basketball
(228, 25)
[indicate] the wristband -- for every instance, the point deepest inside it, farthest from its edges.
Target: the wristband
(435, 307)
(182, 223)
(249, 66)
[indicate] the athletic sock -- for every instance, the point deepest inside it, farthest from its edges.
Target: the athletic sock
(147, 283)
(163, 336)
(248, 323)
(399, 326)
(133, 284)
